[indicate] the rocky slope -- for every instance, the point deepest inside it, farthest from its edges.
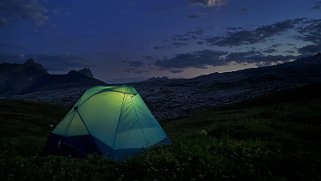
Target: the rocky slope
(170, 98)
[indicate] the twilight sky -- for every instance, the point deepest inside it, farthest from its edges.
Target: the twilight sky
(132, 40)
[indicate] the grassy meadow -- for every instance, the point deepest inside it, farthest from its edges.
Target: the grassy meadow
(273, 137)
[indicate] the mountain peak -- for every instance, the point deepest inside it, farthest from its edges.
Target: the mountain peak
(86, 71)
(31, 63)
(157, 78)
(316, 58)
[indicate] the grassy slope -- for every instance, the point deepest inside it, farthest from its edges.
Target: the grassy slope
(274, 137)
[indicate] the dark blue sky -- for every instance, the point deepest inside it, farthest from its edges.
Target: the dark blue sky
(136, 39)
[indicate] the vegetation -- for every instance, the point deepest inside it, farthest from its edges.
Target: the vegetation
(275, 137)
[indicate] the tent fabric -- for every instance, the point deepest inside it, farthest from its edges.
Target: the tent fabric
(112, 121)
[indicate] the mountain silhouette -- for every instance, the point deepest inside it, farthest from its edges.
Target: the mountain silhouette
(31, 76)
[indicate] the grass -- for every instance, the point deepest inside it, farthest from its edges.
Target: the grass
(274, 137)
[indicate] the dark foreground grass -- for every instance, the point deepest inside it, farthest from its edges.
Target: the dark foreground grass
(280, 140)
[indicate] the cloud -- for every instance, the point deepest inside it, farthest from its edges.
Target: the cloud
(3, 21)
(316, 6)
(179, 44)
(141, 71)
(310, 49)
(257, 35)
(165, 9)
(12, 11)
(148, 57)
(290, 51)
(241, 56)
(311, 31)
(259, 58)
(158, 47)
(202, 59)
(307, 30)
(135, 71)
(244, 10)
(4, 45)
(180, 38)
(265, 60)
(270, 50)
(61, 62)
(193, 36)
(133, 63)
(276, 45)
(176, 71)
(234, 29)
(196, 15)
(197, 59)
(208, 3)
(186, 36)
(196, 32)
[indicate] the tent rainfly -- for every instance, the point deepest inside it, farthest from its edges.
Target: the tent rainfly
(112, 121)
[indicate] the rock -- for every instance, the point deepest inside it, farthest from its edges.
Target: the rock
(87, 72)
(30, 63)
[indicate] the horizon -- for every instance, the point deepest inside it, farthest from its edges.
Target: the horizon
(132, 41)
(62, 73)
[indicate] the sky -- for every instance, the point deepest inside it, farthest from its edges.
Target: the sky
(133, 40)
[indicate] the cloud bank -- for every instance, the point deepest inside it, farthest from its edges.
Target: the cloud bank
(209, 3)
(202, 59)
(257, 35)
(12, 11)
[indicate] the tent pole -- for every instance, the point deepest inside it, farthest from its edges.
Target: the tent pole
(82, 121)
(121, 110)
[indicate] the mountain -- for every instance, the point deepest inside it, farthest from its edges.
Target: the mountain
(153, 79)
(87, 72)
(170, 98)
(167, 98)
(15, 78)
(72, 79)
(31, 81)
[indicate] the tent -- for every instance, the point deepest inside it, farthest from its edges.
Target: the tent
(112, 121)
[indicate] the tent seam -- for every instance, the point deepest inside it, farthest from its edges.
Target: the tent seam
(140, 125)
(69, 124)
(83, 122)
(120, 113)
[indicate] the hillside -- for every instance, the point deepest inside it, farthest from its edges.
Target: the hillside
(272, 137)
(183, 96)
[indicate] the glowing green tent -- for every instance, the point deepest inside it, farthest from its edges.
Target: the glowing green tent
(112, 121)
